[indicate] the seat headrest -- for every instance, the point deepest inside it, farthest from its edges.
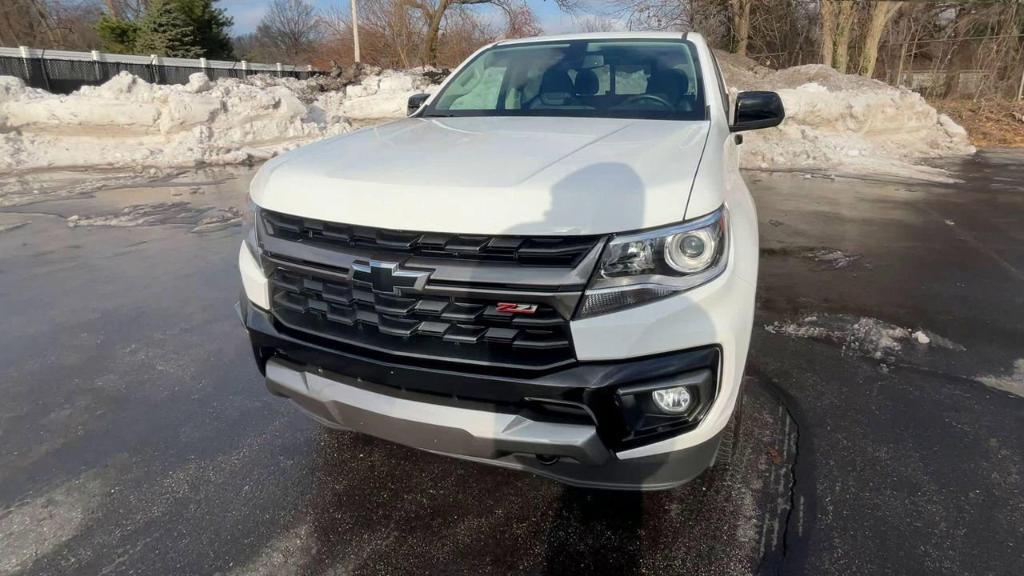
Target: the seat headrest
(670, 84)
(556, 82)
(587, 83)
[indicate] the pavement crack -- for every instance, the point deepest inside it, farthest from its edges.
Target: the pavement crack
(793, 522)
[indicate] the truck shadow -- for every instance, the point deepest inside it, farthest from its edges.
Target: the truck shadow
(375, 507)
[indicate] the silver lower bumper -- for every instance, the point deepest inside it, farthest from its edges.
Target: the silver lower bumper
(506, 440)
(448, 429)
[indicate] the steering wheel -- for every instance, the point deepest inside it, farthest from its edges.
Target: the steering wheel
(641, 97)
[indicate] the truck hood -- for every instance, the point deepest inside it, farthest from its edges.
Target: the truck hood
(493, 175)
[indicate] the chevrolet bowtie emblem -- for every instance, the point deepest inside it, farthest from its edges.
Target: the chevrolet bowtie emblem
(388, 277)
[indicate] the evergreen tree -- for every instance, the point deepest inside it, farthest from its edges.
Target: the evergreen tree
(179, 28)
(165, 31)
(118, 35)
(211, 27)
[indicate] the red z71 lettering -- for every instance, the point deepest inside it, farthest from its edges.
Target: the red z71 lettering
(513, 308)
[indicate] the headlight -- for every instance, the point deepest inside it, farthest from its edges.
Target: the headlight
(249, 223)
(638, 268)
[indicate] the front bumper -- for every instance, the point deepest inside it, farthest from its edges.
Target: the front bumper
(557, 425)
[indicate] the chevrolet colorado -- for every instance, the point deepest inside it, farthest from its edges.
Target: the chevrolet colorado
(549, 266)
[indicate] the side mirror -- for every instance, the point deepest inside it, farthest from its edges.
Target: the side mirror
(755, 110)
(415, 101)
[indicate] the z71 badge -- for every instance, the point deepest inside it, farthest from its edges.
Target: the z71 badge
(513, 308)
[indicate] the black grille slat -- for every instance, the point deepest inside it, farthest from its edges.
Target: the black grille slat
(367, 317)
(539, 341)
(289, 283)
(560, 251)
(290, 302)
(311, 284)
(467, 244)
(536, 322)
(346, 316)
(340, 235)
(394, 305)
(532, 250)
(506, 335)
(505, 243)
(461, 312)
(431, 307)
(399, 240)
(431, 328)
(464, 334)
(337, 294)
(397, 326)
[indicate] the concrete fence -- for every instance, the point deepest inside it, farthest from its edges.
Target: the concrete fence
(64, 71)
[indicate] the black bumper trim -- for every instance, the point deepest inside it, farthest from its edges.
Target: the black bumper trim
(590, 385)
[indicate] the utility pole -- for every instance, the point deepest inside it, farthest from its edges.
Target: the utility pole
(355, 31)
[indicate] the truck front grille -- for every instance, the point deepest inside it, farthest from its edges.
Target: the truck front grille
(526, 250)
(328, 304)
(457, 299)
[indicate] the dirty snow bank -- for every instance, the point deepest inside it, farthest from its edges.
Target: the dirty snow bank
(1012, 383)
(130, 122)
(862, 336)
(844, 123)
(835, 123)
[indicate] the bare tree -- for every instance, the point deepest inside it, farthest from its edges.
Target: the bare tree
(289, 31)
(520, 22)
(881, 12)
(463, 32)
(827, 19)
(739, 13)
(712, 19)
(389, 34)
(125, 9)
(596, 23)
(433, 13)
(27, 22)
(393, 33)
(75, 21)
(845, 18)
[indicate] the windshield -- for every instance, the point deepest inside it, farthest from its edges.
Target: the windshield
(653, 79)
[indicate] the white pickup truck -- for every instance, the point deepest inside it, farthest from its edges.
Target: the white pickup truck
(549, 266)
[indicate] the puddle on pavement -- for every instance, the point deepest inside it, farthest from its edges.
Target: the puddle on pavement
(27, 188)
(202, 219)
(206, 199)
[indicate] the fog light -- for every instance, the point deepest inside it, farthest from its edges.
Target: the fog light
(672, 400)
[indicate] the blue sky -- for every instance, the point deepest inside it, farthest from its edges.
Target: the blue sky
(247, 13)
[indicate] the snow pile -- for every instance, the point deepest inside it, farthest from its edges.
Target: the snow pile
(362, 93)
(383, 95)
(835, 123)
(130, 122)
(844, 123)
(831, 258)
(1012, 383)
(862, 336)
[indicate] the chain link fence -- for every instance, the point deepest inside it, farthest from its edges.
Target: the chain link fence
(62, 71)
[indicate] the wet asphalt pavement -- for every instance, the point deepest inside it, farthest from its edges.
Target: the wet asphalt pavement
(136, 436)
